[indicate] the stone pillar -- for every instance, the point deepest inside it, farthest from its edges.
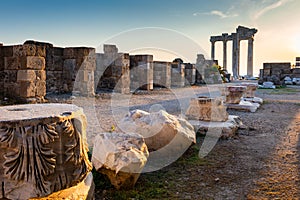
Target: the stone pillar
(43, 149)
(141, 72)
(78, 72)
(190, 74)
(113, 73)
(162, 74)
(225, 54)
(235, 55)
(212, 50)
(250, 57)
(177, 75)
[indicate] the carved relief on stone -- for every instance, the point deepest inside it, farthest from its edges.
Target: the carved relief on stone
(41, 154)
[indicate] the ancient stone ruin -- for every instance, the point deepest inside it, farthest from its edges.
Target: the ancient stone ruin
(209, 116)
(242, 33)
(43, 150)
(277, 72)
(30, 71)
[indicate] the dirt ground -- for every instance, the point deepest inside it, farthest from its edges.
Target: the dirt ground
(261, 162)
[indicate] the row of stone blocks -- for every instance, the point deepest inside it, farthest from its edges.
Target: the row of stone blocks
(130, 72)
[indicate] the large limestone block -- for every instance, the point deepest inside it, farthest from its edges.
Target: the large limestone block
(33, 62)
(121, 156)
(12, 63)
(234, 94)
(207, 109)
(26, 75)
(27, 89)
(43, 149)
(159, 128)
(250, 91)
(223, 130)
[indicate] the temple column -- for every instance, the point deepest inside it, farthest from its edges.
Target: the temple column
(213, 50)
(250, 57)
(235, 55)
(224, 54)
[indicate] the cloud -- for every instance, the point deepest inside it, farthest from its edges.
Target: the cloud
(270, 7)
(218, 13)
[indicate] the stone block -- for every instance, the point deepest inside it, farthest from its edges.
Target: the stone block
(56, 63)
(223, 130)
(234, 94)
(69, 65)
(7, 51)
(121, 157)
(107, 48)
(26, 75)
(207, 109)
(10, 76)
(57, 51)
(33, 62)
(296, 71)
(40, 87)
(11, 89)
(26, 50)
(12, 63)
(27, 89)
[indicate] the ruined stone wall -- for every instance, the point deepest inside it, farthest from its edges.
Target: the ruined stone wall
(275, 72)
(177, 75)
(30, 70)
(141, 72)
(190, 74)
(112, 70)
(23, 72)
(162, 74)
(78, 70)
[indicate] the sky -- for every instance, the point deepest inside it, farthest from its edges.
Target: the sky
(165, 28)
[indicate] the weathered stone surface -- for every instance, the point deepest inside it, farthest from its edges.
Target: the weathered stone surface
(190, 74)
(253, 100)
(83, 190)
(43, 149)
(12, 63)
(26, 75)
(33, 62)
(177, 75)
(158, 128)
(234, 94)
(141, 72)
(121, 156)
(162, 74)
(250, 91)
(224, 130)
(244, 106)
(207, 109)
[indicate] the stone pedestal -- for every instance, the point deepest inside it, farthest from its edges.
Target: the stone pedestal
(223, 130)
(43, 150)
(207, 109)
(234, 94)
(250, 89)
